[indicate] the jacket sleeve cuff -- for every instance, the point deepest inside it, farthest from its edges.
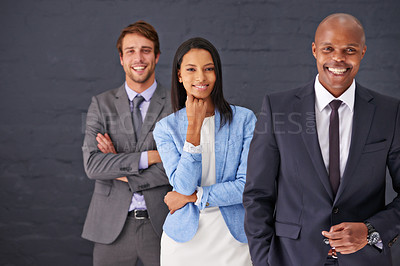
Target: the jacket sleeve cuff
(204, 198)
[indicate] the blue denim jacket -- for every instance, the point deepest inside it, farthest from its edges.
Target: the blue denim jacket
(183, 169)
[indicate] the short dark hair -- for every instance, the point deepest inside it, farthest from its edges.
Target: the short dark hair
(178, 92)
(143, 28)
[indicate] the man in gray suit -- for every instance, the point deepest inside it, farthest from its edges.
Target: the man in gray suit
(127, 210)
(315, 190)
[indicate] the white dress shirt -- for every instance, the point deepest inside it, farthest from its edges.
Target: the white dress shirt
(322, 115)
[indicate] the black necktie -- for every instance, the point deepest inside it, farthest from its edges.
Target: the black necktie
(334, 146)
(136, 114)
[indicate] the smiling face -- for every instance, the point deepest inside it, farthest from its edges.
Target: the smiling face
(139, 61)
(338, 48)
(197, 73)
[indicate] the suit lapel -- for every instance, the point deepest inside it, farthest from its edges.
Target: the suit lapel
(157, 103)
(124, 114)
(221, 143)
(364, 111)
(306, 107)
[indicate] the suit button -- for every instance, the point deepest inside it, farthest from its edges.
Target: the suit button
(207, 204)
(335, 210)
(390, 244)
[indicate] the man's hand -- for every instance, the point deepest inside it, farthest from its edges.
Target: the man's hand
(347, 238)
(105, 145)
(175, 200)
(123, 179)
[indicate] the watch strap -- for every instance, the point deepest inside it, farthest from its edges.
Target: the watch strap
(373, 236)
(370, 228)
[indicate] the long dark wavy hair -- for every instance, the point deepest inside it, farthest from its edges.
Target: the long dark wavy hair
(178, 92)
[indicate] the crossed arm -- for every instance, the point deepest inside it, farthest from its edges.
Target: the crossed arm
(102, 161)
(105, 145)
(173, 199)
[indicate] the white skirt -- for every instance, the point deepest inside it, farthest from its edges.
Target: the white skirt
(213, 245)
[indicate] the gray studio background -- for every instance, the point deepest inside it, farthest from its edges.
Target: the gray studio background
(54, 55)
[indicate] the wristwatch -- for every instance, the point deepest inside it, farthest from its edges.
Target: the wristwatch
(373, 236)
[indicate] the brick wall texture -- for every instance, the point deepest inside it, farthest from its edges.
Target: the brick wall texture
(56, 54)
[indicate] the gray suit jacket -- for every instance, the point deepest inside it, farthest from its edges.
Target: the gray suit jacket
(109, 113)
(288, 198)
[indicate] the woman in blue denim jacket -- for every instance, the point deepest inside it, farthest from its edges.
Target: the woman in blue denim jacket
(203, 146)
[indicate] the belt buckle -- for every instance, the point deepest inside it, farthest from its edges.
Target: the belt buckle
(138, 217)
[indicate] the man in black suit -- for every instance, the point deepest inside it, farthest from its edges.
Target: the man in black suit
(315, 190)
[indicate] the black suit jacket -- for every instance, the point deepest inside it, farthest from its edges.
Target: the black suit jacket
(109, 113)
(288, 198)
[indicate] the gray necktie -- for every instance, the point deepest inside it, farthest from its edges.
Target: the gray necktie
(136, 114)
(334, 146)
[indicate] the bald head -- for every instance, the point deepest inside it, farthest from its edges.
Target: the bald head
(341, 21)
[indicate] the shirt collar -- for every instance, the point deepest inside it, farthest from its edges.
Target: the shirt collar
(323, 97)
(147, 94)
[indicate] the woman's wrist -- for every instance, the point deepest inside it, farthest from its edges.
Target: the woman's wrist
(193, 135)
(193, 197)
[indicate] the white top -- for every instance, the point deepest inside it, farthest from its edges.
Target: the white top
(322, 114)
(207, 142)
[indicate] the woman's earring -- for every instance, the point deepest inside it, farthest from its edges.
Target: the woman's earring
(180, 80)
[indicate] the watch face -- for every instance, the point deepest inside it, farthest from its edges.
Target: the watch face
(373, 238)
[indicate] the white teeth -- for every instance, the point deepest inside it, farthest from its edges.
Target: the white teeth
(138, 68)
(201, 87)
(337, 71)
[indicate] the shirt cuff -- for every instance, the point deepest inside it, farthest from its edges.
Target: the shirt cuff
(190, 148)
(199, 195)
(379, 244)
(143, 161)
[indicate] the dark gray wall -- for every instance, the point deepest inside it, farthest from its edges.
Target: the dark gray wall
(54, 55)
